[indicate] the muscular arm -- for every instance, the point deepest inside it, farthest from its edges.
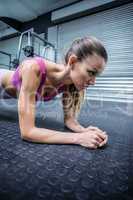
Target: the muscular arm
(26, 112)
(70, 120)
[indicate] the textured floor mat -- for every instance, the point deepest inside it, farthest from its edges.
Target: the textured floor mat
(56, 172)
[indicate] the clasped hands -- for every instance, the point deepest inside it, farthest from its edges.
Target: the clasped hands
(97, 137)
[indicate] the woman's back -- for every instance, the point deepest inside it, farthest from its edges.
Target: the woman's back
(12, 80)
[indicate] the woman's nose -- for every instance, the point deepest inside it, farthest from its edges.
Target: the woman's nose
(92, 81)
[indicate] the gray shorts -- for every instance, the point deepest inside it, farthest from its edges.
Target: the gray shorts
(3, 93)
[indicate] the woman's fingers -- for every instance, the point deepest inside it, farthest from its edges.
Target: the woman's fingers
(102, 135)
(102, 138)
(96, 143)
(104, 142)
(98, 139)
(91, 139)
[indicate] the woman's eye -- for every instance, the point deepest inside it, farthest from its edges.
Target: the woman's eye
(92, 73)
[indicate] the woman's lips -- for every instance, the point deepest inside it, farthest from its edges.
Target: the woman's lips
(81, 87)
(84, 87)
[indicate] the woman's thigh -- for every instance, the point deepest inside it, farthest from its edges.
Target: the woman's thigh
(3, 93)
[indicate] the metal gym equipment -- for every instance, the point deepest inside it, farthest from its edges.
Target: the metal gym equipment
(29, 48)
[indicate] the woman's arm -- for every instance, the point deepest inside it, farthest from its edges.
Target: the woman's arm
(70, 120)
(26, 111)
(74, 125)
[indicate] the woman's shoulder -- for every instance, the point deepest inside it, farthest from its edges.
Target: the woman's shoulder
(33, 62)
(34, 66)
(30, 64)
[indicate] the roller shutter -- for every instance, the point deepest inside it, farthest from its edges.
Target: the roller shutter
(114, 27)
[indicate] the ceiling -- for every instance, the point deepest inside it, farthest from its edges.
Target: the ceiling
(26, 10)
(20, 11)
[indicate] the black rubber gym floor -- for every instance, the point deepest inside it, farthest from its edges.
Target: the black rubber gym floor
(30, 171)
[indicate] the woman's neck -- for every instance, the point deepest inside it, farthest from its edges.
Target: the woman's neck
(66, 79)
(61, 76)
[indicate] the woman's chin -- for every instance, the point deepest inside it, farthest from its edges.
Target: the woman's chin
(80, 88)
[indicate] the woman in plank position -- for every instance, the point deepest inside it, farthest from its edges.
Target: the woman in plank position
(39, 79)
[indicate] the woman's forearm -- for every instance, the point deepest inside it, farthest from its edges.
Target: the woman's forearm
(42, 135)
(74, 125)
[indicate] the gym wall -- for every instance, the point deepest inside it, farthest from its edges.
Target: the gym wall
(114, 27)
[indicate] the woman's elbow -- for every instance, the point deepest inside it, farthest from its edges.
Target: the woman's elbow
(26, 134)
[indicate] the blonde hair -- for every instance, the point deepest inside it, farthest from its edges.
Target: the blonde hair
(82, 47)
(74, 100)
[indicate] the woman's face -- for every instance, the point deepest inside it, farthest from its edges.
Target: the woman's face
(84, 73)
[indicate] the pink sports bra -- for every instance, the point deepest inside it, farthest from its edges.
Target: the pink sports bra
(16, 81)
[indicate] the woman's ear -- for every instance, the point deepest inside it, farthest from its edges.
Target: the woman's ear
(72, 60)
